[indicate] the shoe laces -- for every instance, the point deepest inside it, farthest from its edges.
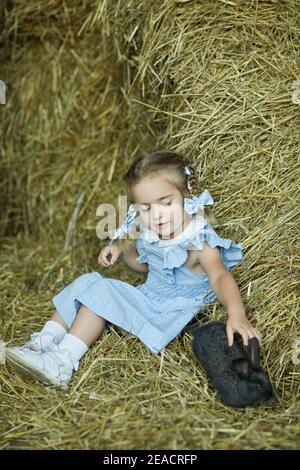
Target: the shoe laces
(40, 341)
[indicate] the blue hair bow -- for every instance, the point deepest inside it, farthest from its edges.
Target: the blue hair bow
(191, 205)
(132, 214)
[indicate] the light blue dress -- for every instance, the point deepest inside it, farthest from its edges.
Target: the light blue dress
(157, 310)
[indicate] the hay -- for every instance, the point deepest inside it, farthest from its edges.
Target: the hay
(90, 86)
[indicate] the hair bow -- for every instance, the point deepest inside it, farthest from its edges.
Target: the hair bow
(132, 214)
(191, 205)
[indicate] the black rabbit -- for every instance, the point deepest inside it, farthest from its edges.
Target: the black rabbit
(235, 373)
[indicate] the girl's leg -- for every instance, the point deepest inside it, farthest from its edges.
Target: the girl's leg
(85, 329)
(53, 330)
(57, 365)
(59, 319)
(87, 326)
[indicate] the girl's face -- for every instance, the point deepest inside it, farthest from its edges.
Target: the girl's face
(161, 206)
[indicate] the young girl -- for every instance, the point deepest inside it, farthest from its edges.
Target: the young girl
(188, 265)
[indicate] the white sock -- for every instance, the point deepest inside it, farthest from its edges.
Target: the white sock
(73, 344)
(54, 328)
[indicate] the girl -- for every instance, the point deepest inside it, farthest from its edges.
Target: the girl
(188, 265)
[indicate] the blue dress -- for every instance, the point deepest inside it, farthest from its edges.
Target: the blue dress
(157, 310)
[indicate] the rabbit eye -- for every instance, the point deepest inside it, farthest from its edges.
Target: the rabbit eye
(258, 386)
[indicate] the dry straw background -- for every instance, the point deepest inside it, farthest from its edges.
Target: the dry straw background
(91, 85)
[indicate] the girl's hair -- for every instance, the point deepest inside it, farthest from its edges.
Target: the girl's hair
(172, 165)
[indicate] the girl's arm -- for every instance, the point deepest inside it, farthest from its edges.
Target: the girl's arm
(227, 290)
(129, 256)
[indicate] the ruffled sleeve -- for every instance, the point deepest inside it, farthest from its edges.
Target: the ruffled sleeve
(142, 258)
(231, 252)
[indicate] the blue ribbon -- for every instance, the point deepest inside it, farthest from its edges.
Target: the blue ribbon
(191, 205)
(132, 214)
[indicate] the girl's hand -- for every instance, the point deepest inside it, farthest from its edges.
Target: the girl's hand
(114, 251)
(242, 326)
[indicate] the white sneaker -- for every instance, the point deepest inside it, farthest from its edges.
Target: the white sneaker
(51, 367)
(39, 342)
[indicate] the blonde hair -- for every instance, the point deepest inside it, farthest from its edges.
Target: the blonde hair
(172, 164)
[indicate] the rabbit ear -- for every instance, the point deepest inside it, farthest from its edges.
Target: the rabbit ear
(253, 351)
(242, 367)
